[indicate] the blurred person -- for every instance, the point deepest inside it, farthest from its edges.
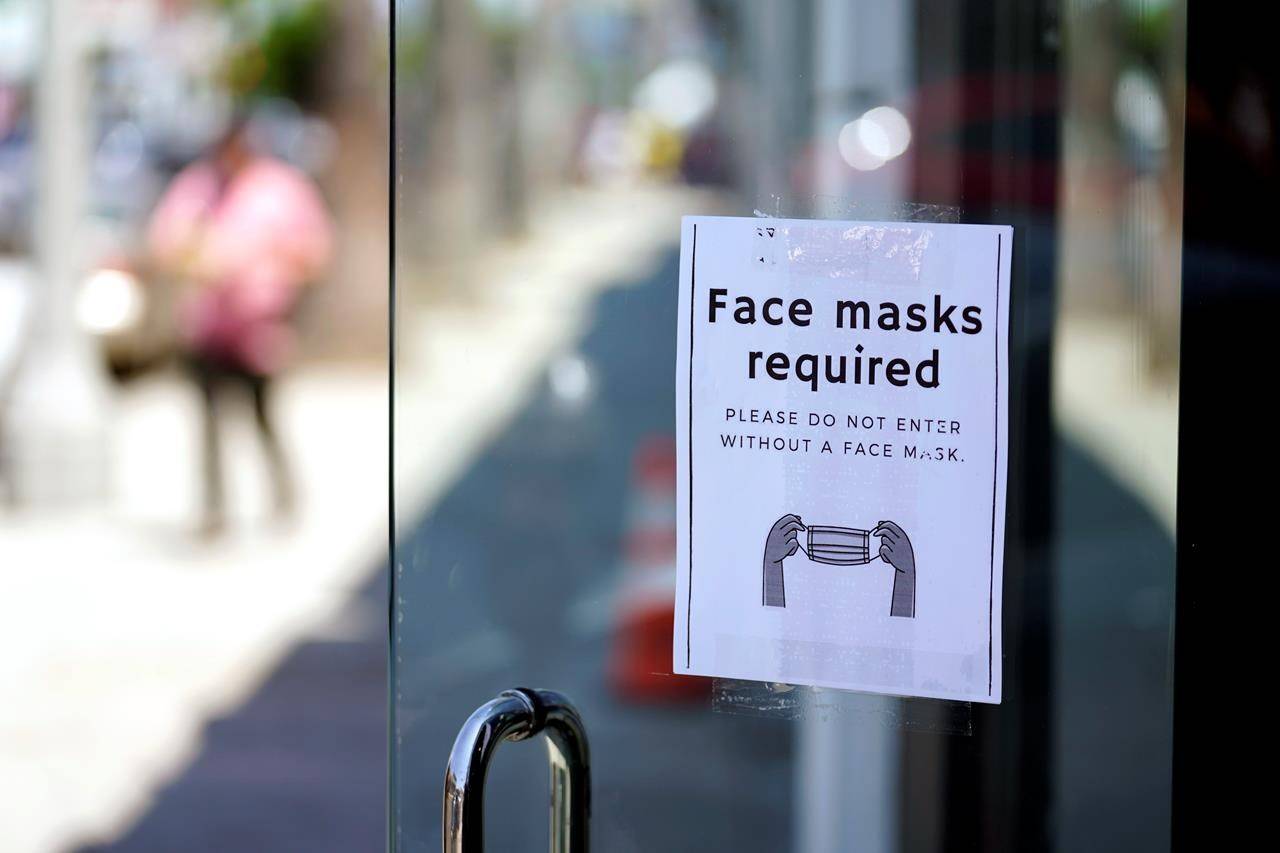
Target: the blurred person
(243, 234)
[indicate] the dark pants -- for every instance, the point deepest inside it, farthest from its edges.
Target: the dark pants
(217, 381)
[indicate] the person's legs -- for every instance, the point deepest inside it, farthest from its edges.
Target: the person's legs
(213, 508)
(277, 461)
(8, 492)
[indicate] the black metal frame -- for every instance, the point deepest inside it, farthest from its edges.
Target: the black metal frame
(1231, 270)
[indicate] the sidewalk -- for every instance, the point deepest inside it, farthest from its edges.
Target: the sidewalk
(125, 636)
(1109, 402)
(125, 633)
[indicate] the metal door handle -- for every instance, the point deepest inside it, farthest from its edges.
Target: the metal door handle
(518, 715)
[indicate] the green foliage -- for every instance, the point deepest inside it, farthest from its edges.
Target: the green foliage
(1146, 27)
(279, 47)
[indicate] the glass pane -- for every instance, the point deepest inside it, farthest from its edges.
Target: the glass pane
(544, 153)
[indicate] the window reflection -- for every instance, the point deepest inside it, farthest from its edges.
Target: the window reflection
(545, 151)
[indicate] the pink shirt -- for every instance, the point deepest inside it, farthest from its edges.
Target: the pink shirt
(248, 247)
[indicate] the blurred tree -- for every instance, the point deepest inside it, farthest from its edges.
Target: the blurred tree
(278, 48)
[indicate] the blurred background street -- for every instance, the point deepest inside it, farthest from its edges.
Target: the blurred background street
(195, 414)
(134, 609)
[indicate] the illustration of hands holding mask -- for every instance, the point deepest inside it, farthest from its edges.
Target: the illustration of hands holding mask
(841, 546)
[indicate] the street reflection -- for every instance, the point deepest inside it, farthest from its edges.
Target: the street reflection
(547, 557)
(213, 679)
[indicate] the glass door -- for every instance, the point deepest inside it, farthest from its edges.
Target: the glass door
(544, 153)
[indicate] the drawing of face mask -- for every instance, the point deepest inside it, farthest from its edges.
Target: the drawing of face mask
(838, 546)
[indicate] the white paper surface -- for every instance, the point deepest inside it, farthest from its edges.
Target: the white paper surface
(920, 442)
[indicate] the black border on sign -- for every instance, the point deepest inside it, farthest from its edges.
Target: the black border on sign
(688, 612)
(995, 468)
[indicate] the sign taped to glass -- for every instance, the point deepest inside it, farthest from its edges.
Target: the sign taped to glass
(842, 441)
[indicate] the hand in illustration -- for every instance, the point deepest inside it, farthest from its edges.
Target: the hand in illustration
(895, 549)
(782, 542)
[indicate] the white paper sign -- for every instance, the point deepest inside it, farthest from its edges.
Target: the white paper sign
(841, 413)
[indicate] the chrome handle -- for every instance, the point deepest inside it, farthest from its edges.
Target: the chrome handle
(518, 715)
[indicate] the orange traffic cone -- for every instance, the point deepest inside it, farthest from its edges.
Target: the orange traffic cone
(640, 657)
